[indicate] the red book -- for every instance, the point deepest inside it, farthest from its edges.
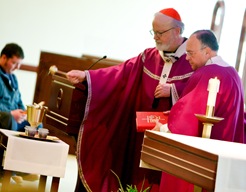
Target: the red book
(146, 119)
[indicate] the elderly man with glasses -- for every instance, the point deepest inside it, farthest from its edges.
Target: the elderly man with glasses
(151, 81)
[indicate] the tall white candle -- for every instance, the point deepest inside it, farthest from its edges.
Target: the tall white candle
(213, 88)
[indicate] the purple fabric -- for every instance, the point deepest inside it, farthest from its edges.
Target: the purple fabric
(245, 125)
(108, 139)
(229, 105)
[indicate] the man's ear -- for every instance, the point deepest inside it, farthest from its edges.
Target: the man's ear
(177, 29)
(207, 50)
(3, 56)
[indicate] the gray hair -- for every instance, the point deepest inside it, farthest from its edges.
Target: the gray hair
(179, 24)
(173, 22)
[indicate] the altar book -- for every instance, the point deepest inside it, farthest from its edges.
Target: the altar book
(146, 120)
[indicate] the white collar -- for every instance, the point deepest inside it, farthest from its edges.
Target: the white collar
(217, 60)
(175, 56)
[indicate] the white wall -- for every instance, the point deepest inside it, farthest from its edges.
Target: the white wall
(116, 28)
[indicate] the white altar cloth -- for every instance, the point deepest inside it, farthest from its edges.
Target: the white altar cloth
(231, 170)
(35, 156)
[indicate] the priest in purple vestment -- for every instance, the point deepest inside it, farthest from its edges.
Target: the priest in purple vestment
(151, 81)
(202, 50)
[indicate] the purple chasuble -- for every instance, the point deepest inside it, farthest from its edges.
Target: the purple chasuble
(108, 139)
(229, 105)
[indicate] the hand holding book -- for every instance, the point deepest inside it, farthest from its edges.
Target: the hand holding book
(149, 120)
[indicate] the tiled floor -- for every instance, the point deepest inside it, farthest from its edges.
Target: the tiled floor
(67, 184)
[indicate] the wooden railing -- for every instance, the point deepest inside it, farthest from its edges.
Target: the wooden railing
(30, 68)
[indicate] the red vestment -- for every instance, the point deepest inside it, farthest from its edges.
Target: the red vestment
(108, 139)
(229, 105)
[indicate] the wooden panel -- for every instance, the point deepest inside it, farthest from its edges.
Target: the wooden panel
(30, 68)
(191, 164)
(66, 105)
(181, 145)
(64, 122)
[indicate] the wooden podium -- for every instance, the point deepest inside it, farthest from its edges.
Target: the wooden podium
(66, 105)
(66, 102)
(212, 164)
(176, 158)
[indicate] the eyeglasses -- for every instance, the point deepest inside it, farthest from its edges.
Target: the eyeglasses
(159, 34)
(192, 53)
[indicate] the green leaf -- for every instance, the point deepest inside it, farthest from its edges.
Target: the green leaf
(130, 188)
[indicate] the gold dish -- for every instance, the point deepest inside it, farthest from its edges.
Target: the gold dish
(36, 137)
(208, 119)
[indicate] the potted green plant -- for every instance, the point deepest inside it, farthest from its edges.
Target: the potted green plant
(130, 188)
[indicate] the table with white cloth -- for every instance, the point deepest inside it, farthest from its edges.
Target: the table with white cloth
(215, 165)
(34, 156)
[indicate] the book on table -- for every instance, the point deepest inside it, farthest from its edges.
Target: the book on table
(146, 120)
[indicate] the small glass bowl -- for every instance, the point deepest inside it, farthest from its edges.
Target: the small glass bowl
(43, 133)
(30, 131)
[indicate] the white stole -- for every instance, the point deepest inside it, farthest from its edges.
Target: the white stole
(169, 59)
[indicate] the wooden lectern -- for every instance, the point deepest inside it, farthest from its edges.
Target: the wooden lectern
(66, 105)
(212, 164)
(66, 102)
(176, 158)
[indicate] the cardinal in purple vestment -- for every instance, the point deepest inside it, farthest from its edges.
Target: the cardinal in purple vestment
(151, 81)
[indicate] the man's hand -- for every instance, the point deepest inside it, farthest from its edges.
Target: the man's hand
(157, 126)
(163, 90)
(75, 76)
(19, 115)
